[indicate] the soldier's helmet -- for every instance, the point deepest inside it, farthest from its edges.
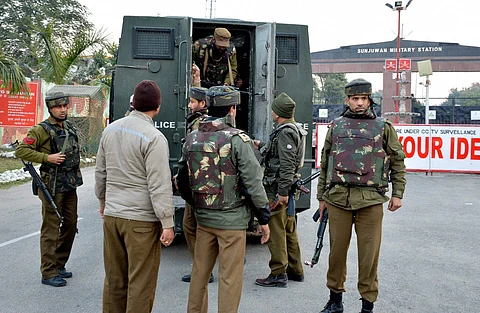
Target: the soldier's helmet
(199, 93)
(222, 96)
(222, 37)
(55, 99)
(359, 86)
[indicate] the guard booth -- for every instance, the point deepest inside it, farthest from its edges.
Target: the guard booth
(271, 58)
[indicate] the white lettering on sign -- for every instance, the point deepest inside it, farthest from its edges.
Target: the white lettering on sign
(435, 148)
(164, 124)
(394, 50)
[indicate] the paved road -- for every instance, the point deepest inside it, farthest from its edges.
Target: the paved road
(430, 258)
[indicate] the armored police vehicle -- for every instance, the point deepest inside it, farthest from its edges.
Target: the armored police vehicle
(271, 58)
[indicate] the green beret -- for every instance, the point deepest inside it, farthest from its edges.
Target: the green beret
(198, 93)
(56, 99)
(358, 86)
(222, 96)
(283, 106)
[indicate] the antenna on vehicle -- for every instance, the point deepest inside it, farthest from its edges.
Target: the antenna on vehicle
(212, 8)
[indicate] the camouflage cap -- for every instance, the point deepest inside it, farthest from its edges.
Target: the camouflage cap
(222, 96)
(56, 99)
(198, 93)
(358, 86)
(222, 37)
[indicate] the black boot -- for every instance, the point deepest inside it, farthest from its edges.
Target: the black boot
(334, 305)
(367, 306)
(273, 281)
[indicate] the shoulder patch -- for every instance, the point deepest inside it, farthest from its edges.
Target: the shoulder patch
(29, 141)
(244, 137)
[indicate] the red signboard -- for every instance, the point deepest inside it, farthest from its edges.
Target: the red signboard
(19, 110)
(390, 64)
(405, 65)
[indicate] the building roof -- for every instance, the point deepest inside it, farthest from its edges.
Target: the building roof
(93, 92)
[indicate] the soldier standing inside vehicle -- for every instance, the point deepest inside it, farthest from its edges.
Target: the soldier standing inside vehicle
(361, 153)
(133, 185)
(198, 113)
(282, 157)
(54, 144)
(216, 58)
(221, 170)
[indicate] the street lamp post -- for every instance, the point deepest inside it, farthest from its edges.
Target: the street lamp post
(398, 7)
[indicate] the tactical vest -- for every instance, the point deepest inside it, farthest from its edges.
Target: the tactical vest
(213, 176)
(270, 157)
(357, 157)
(66, 176)
(216, 69)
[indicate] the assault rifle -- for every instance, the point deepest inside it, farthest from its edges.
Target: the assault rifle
(28, 167)
(320, 233)
(299, 185)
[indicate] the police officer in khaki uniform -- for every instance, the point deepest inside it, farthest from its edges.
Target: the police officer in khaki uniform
(220, 170)
(216, 59)
(282, 156)
(54, 144)
(360, 156)
(198, 112)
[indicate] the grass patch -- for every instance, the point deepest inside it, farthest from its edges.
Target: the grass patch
(8, 164)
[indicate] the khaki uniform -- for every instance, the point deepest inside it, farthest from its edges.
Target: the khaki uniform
(55, 241)
(283, 244)
(362, 207)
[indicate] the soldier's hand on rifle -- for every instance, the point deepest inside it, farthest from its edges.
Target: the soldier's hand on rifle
(265, 233)
(394, 204)
(57, 158)
(282, 200)
(322, 207)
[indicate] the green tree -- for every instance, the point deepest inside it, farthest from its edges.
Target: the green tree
(60, 57)
(331, 88)
(23, 23)
(11, 75)
(466, 97)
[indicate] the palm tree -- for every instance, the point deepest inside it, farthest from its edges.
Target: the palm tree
(11, 74)
(58, 60)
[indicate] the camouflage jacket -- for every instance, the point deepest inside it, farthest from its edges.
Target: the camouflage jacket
(222, 171)
(357, 157)
(353, 197)
(194, 119)
(215, 72)
(49, 137)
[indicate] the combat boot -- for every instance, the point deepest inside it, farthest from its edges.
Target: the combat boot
(62, 272)
(280, 280)
(367, 306)
(55, 281)
(334, 305)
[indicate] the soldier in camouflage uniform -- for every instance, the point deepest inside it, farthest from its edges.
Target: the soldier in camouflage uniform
(220, 169)
(360, 156)
(282, 156)
(216, 58)
(54, 144)
(198, 112)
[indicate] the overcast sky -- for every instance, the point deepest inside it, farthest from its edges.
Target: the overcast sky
(331, 24)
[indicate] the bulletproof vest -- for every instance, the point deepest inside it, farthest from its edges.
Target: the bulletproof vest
(270, 158)
(213, 175)
(357, 157)
(66, 176)
(217, 65)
